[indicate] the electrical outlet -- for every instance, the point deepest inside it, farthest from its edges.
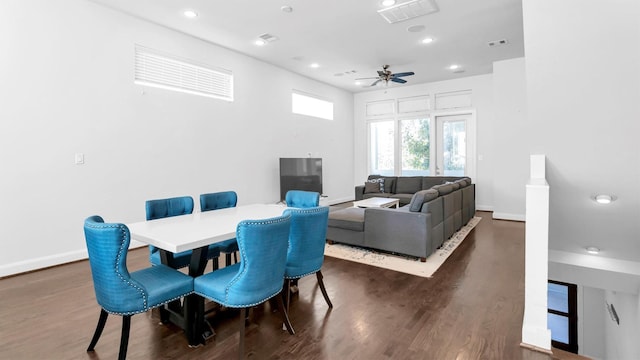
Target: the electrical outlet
(79, 158)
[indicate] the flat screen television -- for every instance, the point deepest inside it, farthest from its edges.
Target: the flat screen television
(300, 174)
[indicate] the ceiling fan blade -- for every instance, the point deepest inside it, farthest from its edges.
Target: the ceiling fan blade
(375, 82)
(398, 80)
(369, 78)
(403, 74)
(381, 73)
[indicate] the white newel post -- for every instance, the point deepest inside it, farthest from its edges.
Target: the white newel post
(535, 333)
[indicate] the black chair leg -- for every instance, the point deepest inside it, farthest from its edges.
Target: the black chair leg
(215, 265)
(324, 291)
(243, 319)
(124, 337)
(227, 259)
(287, 289)
(285, 315)
(96, 335)
(235, 256)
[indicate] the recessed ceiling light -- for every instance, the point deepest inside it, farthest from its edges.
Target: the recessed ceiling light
(415, 28)
(358, 83)
(388, 2)
(286, 8)
(604, 199)
(427, 40)
(315, 65)
(260, 42)
(454, 67)
(593, 250)
(190, 14)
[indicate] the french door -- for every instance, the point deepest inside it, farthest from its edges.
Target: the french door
(451, 142)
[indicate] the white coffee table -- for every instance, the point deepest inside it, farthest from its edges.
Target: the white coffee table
(379, 202)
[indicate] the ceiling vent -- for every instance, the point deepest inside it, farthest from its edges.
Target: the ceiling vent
(268, 37)
(496, 43)
(408, 10)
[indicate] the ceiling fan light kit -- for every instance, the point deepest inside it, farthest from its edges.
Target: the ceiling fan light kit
(385, 75)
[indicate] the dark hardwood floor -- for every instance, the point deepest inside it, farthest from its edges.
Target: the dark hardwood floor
(471, 309)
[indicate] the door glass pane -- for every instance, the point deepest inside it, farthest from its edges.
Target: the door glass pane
(454, 148)
(381, 151)
(414, 144)
(559, 326)
(558, 297)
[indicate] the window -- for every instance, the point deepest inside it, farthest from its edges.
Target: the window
(381, 139)
(562, 317)
(305, 104)
(408, 138)
(400, 136)
(415, 146)
(155, 69)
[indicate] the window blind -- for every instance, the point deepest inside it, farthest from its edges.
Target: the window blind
(156, 69)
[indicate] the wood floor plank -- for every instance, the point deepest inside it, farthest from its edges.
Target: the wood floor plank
(471, 309)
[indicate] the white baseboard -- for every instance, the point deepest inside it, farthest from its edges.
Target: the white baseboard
(42, 262)
(484, 208)
(52, 260)
(507, 216)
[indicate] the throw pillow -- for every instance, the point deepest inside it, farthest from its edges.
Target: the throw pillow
(381, 183)
(371, 186)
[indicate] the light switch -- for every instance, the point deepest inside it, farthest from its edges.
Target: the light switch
(79, 158)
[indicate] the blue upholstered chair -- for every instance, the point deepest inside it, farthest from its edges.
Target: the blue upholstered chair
(306, 247)
(120, 292)
(221, 200)
(162, 208)
(302, 199)
(258, 276)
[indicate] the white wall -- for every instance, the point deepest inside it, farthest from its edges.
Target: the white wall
(591, 322)
(622, 339)
(482, 103)
(510, 151)
(66, 70)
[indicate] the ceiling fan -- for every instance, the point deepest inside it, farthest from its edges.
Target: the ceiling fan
(386, 75)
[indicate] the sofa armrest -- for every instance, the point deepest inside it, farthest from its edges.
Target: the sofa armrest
(398, 230)
(359, 192)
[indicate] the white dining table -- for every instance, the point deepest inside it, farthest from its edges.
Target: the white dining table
(196, 232)
(192, 231)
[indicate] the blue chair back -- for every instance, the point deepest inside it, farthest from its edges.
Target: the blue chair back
(116, 291)
(218, 200)
(306, 241)
(162, 208)
(302, 199)
(263, 247)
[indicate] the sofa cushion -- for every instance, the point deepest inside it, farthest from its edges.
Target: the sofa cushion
(422, 197)
(408, 184)
(454, 184)
(373, 186)
(430, 181)
(443, 189)
(462, 182)
(404, 198)
(348, 218)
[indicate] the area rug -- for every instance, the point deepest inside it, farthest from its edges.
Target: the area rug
(409, 265)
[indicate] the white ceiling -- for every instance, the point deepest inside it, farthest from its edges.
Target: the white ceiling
(346, 35)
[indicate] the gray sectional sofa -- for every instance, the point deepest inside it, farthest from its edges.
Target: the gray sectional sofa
(434, 208)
